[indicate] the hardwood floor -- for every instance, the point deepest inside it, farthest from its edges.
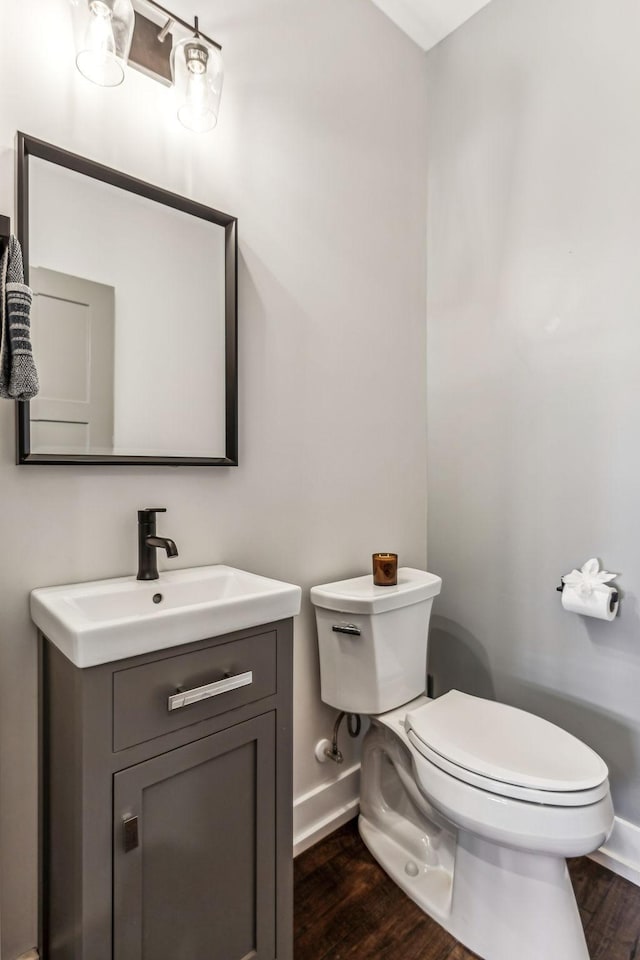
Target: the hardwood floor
(346, 908)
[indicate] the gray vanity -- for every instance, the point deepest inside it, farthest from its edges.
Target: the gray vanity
(167, 794)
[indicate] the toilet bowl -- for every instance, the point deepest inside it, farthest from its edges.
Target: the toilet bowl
(470, 806)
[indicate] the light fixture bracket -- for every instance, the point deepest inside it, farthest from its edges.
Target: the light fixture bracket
(153, 41)
(150, 54)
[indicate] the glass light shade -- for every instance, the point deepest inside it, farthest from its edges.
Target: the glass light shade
(197, 76)
(104, 30)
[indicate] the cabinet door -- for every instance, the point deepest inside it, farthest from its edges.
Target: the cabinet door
(194, 850)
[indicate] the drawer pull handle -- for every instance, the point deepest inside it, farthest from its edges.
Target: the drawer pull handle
(185, 697)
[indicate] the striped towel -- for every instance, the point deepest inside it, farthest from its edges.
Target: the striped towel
(18, 374)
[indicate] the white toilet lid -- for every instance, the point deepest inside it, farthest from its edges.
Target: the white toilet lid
(504, 744)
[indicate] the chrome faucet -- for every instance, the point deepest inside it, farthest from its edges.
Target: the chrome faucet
(148, 543)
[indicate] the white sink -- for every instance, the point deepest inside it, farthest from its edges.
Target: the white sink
(109, 620)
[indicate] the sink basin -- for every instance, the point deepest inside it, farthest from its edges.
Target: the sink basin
(109, 620)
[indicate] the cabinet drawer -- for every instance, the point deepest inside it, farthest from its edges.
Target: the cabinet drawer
(210, 681)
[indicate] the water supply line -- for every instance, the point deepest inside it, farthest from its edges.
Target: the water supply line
(354, 726)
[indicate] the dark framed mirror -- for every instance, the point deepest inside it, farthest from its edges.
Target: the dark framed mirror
(134, 318)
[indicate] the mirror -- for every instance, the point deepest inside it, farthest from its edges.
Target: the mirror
(134, 317)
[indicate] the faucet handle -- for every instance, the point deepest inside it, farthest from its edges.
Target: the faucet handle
(149, 513)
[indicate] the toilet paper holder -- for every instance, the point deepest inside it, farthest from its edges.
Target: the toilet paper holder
(588, 584)
(613, 597)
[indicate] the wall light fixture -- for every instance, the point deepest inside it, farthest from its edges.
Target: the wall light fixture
(113, 33)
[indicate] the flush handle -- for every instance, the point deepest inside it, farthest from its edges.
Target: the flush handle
(349, 628)
(184, 697)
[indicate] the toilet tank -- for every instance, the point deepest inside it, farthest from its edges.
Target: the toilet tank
(373, 640)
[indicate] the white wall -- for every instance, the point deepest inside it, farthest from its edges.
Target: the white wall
(322, 159)
(534, 359)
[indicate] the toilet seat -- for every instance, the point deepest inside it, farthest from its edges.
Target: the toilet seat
(524, 823)
(506, 751)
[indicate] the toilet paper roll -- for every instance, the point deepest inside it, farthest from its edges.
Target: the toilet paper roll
(598, 603)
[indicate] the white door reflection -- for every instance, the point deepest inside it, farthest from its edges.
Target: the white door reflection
(72, 331)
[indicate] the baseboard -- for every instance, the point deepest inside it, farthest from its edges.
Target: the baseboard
(621, 852)
(322, 810)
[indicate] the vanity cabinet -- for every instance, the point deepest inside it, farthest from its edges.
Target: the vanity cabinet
(167, 802)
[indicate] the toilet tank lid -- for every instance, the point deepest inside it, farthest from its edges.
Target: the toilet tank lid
(360, 595)
(505, 743)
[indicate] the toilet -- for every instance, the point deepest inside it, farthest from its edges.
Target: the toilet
(470, 806)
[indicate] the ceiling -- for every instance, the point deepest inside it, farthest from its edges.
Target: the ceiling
(428, 21)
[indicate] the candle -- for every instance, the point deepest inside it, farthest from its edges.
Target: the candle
(385, 569)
